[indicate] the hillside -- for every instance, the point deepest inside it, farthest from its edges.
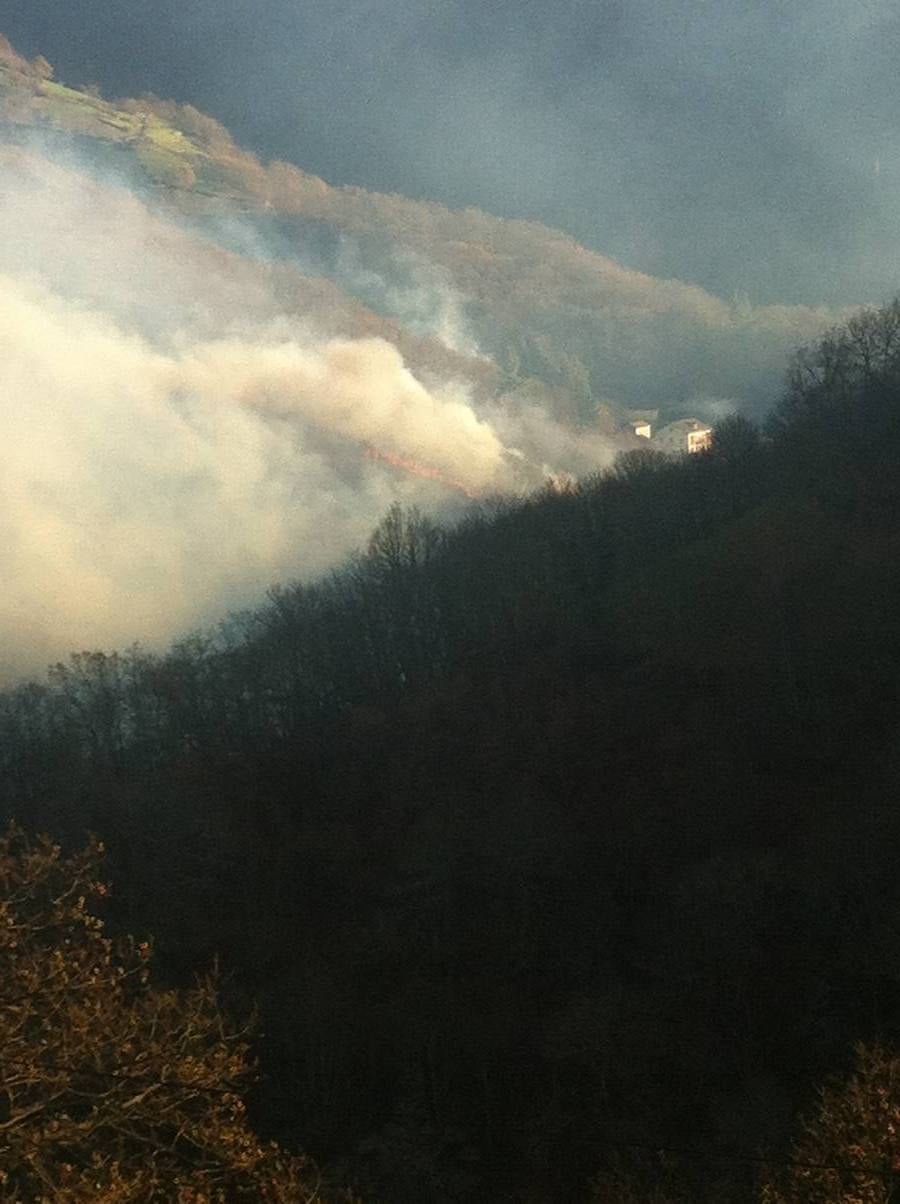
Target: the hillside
(543, 810)
(554, 841)
(220, 374)
(593, 336)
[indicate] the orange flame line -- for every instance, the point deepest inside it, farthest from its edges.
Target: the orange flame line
(414, 468)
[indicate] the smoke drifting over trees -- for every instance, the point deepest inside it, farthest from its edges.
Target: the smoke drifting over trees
(551, 838)
(748, 149)
(183, 425)
(197, 410)
(553, 835)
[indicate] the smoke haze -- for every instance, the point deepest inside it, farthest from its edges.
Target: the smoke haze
(747, 148)
(172, 440)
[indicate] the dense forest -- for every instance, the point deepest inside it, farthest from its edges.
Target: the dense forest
(558, 843)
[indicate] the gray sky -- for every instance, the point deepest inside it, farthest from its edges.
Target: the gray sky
(747, 147)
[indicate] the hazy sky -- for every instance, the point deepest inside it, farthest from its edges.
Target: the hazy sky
(748, 147)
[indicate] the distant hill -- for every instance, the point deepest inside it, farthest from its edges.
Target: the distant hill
(587, 335)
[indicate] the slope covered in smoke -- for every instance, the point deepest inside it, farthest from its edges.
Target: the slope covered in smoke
(183, 425)
(544, 308)
(218, 374)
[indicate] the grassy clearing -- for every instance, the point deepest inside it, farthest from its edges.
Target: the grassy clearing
(168, 138)
(79, 111)
(168, 156)
(51, 88)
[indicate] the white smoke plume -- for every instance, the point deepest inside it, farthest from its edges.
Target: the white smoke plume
(144, 489)
(172, 440)
(360, 390)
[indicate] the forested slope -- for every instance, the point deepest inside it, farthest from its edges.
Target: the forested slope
(567, 832)
(593, 335)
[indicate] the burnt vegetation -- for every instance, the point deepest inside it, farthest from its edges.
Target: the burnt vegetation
(561, 843)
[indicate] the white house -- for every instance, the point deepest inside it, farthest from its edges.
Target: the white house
(686, 435)
(641, 422)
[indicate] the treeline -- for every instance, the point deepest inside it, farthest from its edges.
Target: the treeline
(543, 842)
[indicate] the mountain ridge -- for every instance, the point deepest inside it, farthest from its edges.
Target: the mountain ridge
(597, 335)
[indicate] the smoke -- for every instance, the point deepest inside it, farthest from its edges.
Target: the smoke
(710, 409)
(173, 440)
(133, 503)
(740, 146)
(409, 288)
(520, 420)
(360, 391)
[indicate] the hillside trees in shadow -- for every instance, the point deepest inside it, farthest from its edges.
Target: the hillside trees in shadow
(567, 829)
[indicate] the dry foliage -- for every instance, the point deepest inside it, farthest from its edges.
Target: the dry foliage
(112, 1090)
(850, 1151)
